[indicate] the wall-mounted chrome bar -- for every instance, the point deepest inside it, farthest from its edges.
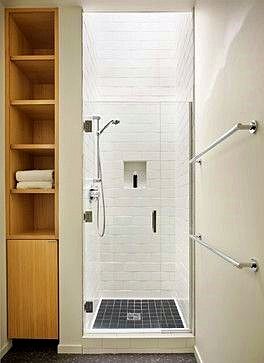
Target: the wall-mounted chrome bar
(253, 264)
(251, 127)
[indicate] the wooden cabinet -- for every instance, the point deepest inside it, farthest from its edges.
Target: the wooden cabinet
(31, 103)
(32, 289)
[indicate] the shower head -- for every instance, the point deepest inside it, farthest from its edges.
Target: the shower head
(112, 122)
(115, 122)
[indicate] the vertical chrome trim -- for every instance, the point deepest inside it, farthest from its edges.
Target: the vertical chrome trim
(191, 221)
(192, 197)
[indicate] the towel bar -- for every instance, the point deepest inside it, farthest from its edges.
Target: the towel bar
(253, 264)
(251, 127)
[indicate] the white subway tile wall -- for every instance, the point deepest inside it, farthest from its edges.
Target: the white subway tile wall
(138, 57)
(136, 66)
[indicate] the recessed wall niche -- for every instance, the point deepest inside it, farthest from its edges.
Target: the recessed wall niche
(135, 174)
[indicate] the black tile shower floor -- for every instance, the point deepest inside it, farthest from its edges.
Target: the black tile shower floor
(137, 314)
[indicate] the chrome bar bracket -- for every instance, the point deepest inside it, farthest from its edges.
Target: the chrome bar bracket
(253, 126)
(253, 265)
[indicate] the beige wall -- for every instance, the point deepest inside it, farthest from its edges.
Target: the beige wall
(229, 195)
(70, 178)
(3, 338)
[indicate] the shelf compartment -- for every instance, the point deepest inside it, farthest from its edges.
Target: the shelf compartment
(24, 129)
(25, 84)
(32, 32)
(19, 160)
(31, 212)
(33, 191)
(37, 149)
(37, 109)
(38, 69)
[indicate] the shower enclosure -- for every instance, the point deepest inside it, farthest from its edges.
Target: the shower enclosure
(136, 179)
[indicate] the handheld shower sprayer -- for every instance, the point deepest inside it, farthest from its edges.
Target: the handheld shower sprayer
(95, 194)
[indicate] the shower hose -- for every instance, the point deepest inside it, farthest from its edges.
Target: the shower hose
(100, 228)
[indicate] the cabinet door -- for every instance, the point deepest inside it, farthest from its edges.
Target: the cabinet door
(32, 289)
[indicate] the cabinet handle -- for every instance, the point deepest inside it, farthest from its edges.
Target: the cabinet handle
(154, 221)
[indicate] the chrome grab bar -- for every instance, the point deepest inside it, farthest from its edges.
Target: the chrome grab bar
(251, 127)
(253, 264)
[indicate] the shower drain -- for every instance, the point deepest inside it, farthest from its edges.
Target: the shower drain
(134, 316)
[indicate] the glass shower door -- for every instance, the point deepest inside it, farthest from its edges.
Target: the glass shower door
(139, 270)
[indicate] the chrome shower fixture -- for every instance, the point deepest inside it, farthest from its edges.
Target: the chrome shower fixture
(96, 192)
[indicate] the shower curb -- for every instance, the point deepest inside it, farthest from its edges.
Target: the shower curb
(138, 343)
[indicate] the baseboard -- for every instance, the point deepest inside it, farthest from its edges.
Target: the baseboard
(197, 355)
(5, 349)
(70, 349)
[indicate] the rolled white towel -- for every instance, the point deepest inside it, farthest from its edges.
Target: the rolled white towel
(34, 175)
(34, 185)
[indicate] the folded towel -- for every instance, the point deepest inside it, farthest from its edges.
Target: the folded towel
(34, 175)
(34, 185)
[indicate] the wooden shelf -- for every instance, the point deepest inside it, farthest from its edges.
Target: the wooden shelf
(37, 234)
(32, 102)
(37, 68)
(38, 109)
(32, 57)
(33, 191)
(38, 149)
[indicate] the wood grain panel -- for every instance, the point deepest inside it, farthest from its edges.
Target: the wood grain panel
(44, 211)
(21, 216)
(18, 42)
(32, 289)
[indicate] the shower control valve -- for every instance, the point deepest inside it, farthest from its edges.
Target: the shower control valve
(94, 193)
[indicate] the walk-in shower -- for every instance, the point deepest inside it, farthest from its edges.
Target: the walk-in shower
(138, 68)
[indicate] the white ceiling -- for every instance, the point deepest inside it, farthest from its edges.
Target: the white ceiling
(109, 5)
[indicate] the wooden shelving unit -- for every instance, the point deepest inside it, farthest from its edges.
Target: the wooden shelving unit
(32, 143)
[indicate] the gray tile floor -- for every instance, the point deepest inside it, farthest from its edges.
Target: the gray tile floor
(40, 352)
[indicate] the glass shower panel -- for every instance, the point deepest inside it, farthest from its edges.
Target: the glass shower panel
(142, 261)
(174, 229)
(91, 241)
(126, 262)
